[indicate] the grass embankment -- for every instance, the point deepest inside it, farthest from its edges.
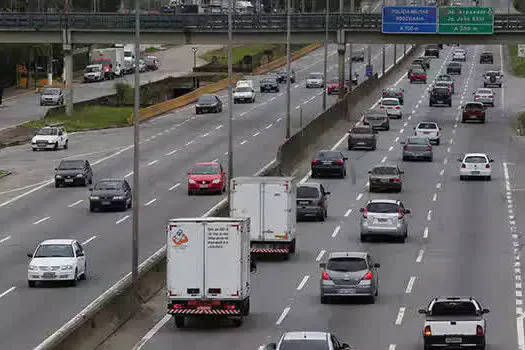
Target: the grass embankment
(92, 117)
(521, 124)
(518, 63)
(3, 173)
(238, 53)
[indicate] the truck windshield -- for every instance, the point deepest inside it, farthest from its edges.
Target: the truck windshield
(304, 344)
(453, 308)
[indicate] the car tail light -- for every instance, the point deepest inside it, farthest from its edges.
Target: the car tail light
(477, 96)
(415, 133)
(437, 133)
(429, 148)
(325, 276)
(365, 213)
(463, 165)
(479, 330)
(384, 93)
(427, 332)
(487, 166)
(400, 213)
(490, 96)
(314, 162)
(368, 276)
(397, 107)
(399, 94)
(450, 86)
(405, 148)
(381, 107)
(396, 180)
(339, 162)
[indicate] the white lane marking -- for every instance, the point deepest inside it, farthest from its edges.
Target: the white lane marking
(438, 185)
(392, 347)
(410, 285)
(7, 292)
(348, 212)
(269, 126)
(420, 255)
(242, 114)
(273, 98)
(122, 219)
(400, 314)
(303, 282)
(174, 186)
(278, 119)
(305, 102)
(242, 143)
(359, 196)
(448, 149)
(336, 231)
(390, 148)
(218, 127)
(257, 133)
(152, 332)
(5, 239)
(397, 139)
(450, 141)
(434, 198)
(129, 174)
(206, 134)
(384, 159)
(312, 98)
(445, 161)
(401, 131)
(425, 232)
(405, 123)
(441, 172)
(151, 202)
(189, 143)
(172, 152)
(153, 162)
(73, 204)
(429, 215)
(283, 315)
(225, 153)
(89, 240)
(296, 86)
(320, 255)
(41, 220)
(297, 107)
(409, 117)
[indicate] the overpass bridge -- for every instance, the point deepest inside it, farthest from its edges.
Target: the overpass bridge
(110, 28)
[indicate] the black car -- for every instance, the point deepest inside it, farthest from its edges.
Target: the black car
(486, 57)
(358, 56)
(110, 194)
(377, 120)
(454, 68)
(73, 172)
(208, 104)
(269, 84)
(422, 61)
(440, 96)
(432, 51)
(395, 92)
(329, 163)
(282, 76)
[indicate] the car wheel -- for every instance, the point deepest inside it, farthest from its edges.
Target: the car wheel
(372, 299)
(343, 174)
(399, 189)
(320, 217)
(450, 104)
(374, 147)
(31, 284)
(190, 193)
(91, 208)
(179, 321)
(57, 185)
(325, 300)
(83, 277)
(74, 281)
(431, 159)
(56, 146)
(438, 142)
(461, 177)
(488, 178)
(66, 145)
(363, 238)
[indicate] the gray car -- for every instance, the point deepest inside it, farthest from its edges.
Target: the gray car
(312, 201)
(417, 148)
(378, 120)
(52, 96)
(362, 136)
(384, 218)
(385, 177)
(349, 274)
(492, 78)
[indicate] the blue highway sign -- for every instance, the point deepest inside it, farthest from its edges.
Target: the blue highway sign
(410, 20)
(369, 70)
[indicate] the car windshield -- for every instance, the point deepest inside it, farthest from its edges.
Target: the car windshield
(453, 308)
(384, 170)
(328, 155)
(484, 91)
(445, 78)
(107, 185)
(307, 192)
(375, 116)
(427, 126)
(454, 64)
(347, 264)
(51, 91)
(54, 251)
(473, 106)
(304, 344)
(475, 159)
(486, 54)
(92, 69)
(205, 170)
(390, 102)
(314, 76)
(207, 99)
(269, 80)
(442, 84)
(417, 141)
(71, 165)
(243, 89)
(382, 208)
(47, 131)
(361, 131)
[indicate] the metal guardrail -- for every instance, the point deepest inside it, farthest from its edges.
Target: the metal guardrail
(358, 22)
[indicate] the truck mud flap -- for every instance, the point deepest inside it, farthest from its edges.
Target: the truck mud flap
(270, 250)
(203, 312)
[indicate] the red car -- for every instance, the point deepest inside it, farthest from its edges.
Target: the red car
(417, 75)
(473, 111)
(207, 177)
(333, 87)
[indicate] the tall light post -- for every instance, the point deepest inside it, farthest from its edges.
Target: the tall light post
(384, 50)
(288, 68)
(194, 49)
(325, 69)
(136, 124)
(230, 97)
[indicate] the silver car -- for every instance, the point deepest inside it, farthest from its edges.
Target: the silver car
(384, 217)
(315, 80)
(52, 96)
(416, 148)
(485, 96)
(312, 200)
(349, 274)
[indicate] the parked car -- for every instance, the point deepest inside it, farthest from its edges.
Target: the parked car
(385, 177)
(312, 201)
(378, 120)
(384, 218)
(473, 111)
(208, 104)
(52, 96)
(486, 57)
(417, 148)
(329, 163)
(362, 136)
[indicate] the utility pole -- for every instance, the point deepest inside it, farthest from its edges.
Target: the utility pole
(325, 68)
(230, 98)
(384, 50)
(341, 50)
(288, 67)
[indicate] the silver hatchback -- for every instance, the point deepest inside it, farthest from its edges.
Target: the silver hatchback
(384, 218)
(417, 148)
(349, 274)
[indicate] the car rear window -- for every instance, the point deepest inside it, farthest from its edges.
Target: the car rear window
(418, 141)
(207, 99)
(382, 207)
(440, 91)
(347, 264)
(475, 159)
(304, 344)
(384, 170)
(375, 116)
(454, 64)
(205, 170)
(427, 126)
(307, 192)
(453, 308)
(390, 103)
(361, 131)
(473, 106)
(108, 185)
(328, 155)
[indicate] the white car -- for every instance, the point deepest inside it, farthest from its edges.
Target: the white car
(244, 94)
(459, 55)
(475, 165)
(430, 130)
(314, 80)
(57, 260)
(392, 107)
(52, 136)
(485, 96)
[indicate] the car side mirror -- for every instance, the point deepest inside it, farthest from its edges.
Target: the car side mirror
(327, 193)
(29, 255)
(253, 266)
(422, 311)
(322, 265)
(377, 265)
(271, 346)
(233, 90)
(361, 210)
(370, 171)
(408, 211)
(485, 311)
(491, 160)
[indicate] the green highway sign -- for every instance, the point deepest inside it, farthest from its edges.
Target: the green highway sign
(465, 20)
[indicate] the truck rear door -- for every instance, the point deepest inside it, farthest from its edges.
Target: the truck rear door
(185, 256)
(454, 327)
(246, 203)
(275, 211)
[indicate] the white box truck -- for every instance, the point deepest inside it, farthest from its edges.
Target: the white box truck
(270, 203)
(112, 60)
(208, 268)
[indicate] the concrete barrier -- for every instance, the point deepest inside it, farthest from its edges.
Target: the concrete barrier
(281, 61)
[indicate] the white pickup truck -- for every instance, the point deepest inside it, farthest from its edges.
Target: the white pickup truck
(454, 322)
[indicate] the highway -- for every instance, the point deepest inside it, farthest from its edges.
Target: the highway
(170, 145)
(461, 238)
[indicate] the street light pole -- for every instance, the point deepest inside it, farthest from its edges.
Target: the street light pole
(325, 69)
(288, 69)
(136, 124)
(384, 51)
(194, 49)
(230, 98)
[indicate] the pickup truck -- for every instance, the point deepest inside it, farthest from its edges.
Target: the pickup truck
(454, 322)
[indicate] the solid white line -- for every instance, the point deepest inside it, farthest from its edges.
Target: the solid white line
(359, 196)
(410, 285)
(269, 126)
(429, 215)
(189, 143)
(5, 239)
(129, 174)
(73, 204)
(89, 240)
(336, 231)
(257, 133)
(273, 98)
(152, 332)
(242, 143)
(448, 149)
(400, 314)
(320, 255)
(172, 152)
(384, 159)
(151, 202)
(41, 220)
(278, 120)
(348, 212)
(7, 292)
(174, 186)
(434, 198)
(521, 331)
(122, 219)
(25, 187)
(420, 255)
(425, 232)
(303, 282)
(218, 127)
(283, 315)
(152, 162)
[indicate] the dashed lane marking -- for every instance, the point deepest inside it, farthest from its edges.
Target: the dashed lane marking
(150, 202)
(348, 212)
(76, 203)
(336, 231)
(400, 314)
(41, 220)
(89, 240)
(5, 239)
(410, 285)
(420, 255)
(320, 255)
(303, 282)
(153, 162)
(174, 187)
(122, 219)
(283, 315)
(425, 232)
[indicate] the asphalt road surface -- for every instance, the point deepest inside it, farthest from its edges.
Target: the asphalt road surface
(464, 237)
(170, 145)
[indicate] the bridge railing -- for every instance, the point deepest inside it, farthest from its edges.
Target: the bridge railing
(359, 22)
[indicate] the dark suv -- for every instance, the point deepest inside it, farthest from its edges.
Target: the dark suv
(440, 96)
(432, 51)
(486, 57)
(269, 84)
(110, 194)
(281, 76)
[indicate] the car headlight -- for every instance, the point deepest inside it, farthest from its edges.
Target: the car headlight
(32, 268)
(191, 181)
(50, 141)
(80, 175)
(118, 198)
(94, 197)
(67, 267)
(58, 176)
(216, 181)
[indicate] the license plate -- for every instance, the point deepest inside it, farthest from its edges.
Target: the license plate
(426, 132)
(205, 307)
(453, 340)
(69, 180)
(106, 202)
(346, 291)
(475, 172)
(390, 107)
(327, 163)
(439, 101)
(360, 143)
(384, 180)
(204, 186)
(49, 275)
(304, 203)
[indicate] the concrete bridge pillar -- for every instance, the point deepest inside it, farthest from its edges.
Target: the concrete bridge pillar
(341, 50)
(68, 72)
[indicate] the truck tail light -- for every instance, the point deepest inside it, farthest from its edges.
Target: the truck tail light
(427, 332)
(479, 330)
(339, 162)
(325, 276)
(487, 166)
(365, 213)
(368, 276)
